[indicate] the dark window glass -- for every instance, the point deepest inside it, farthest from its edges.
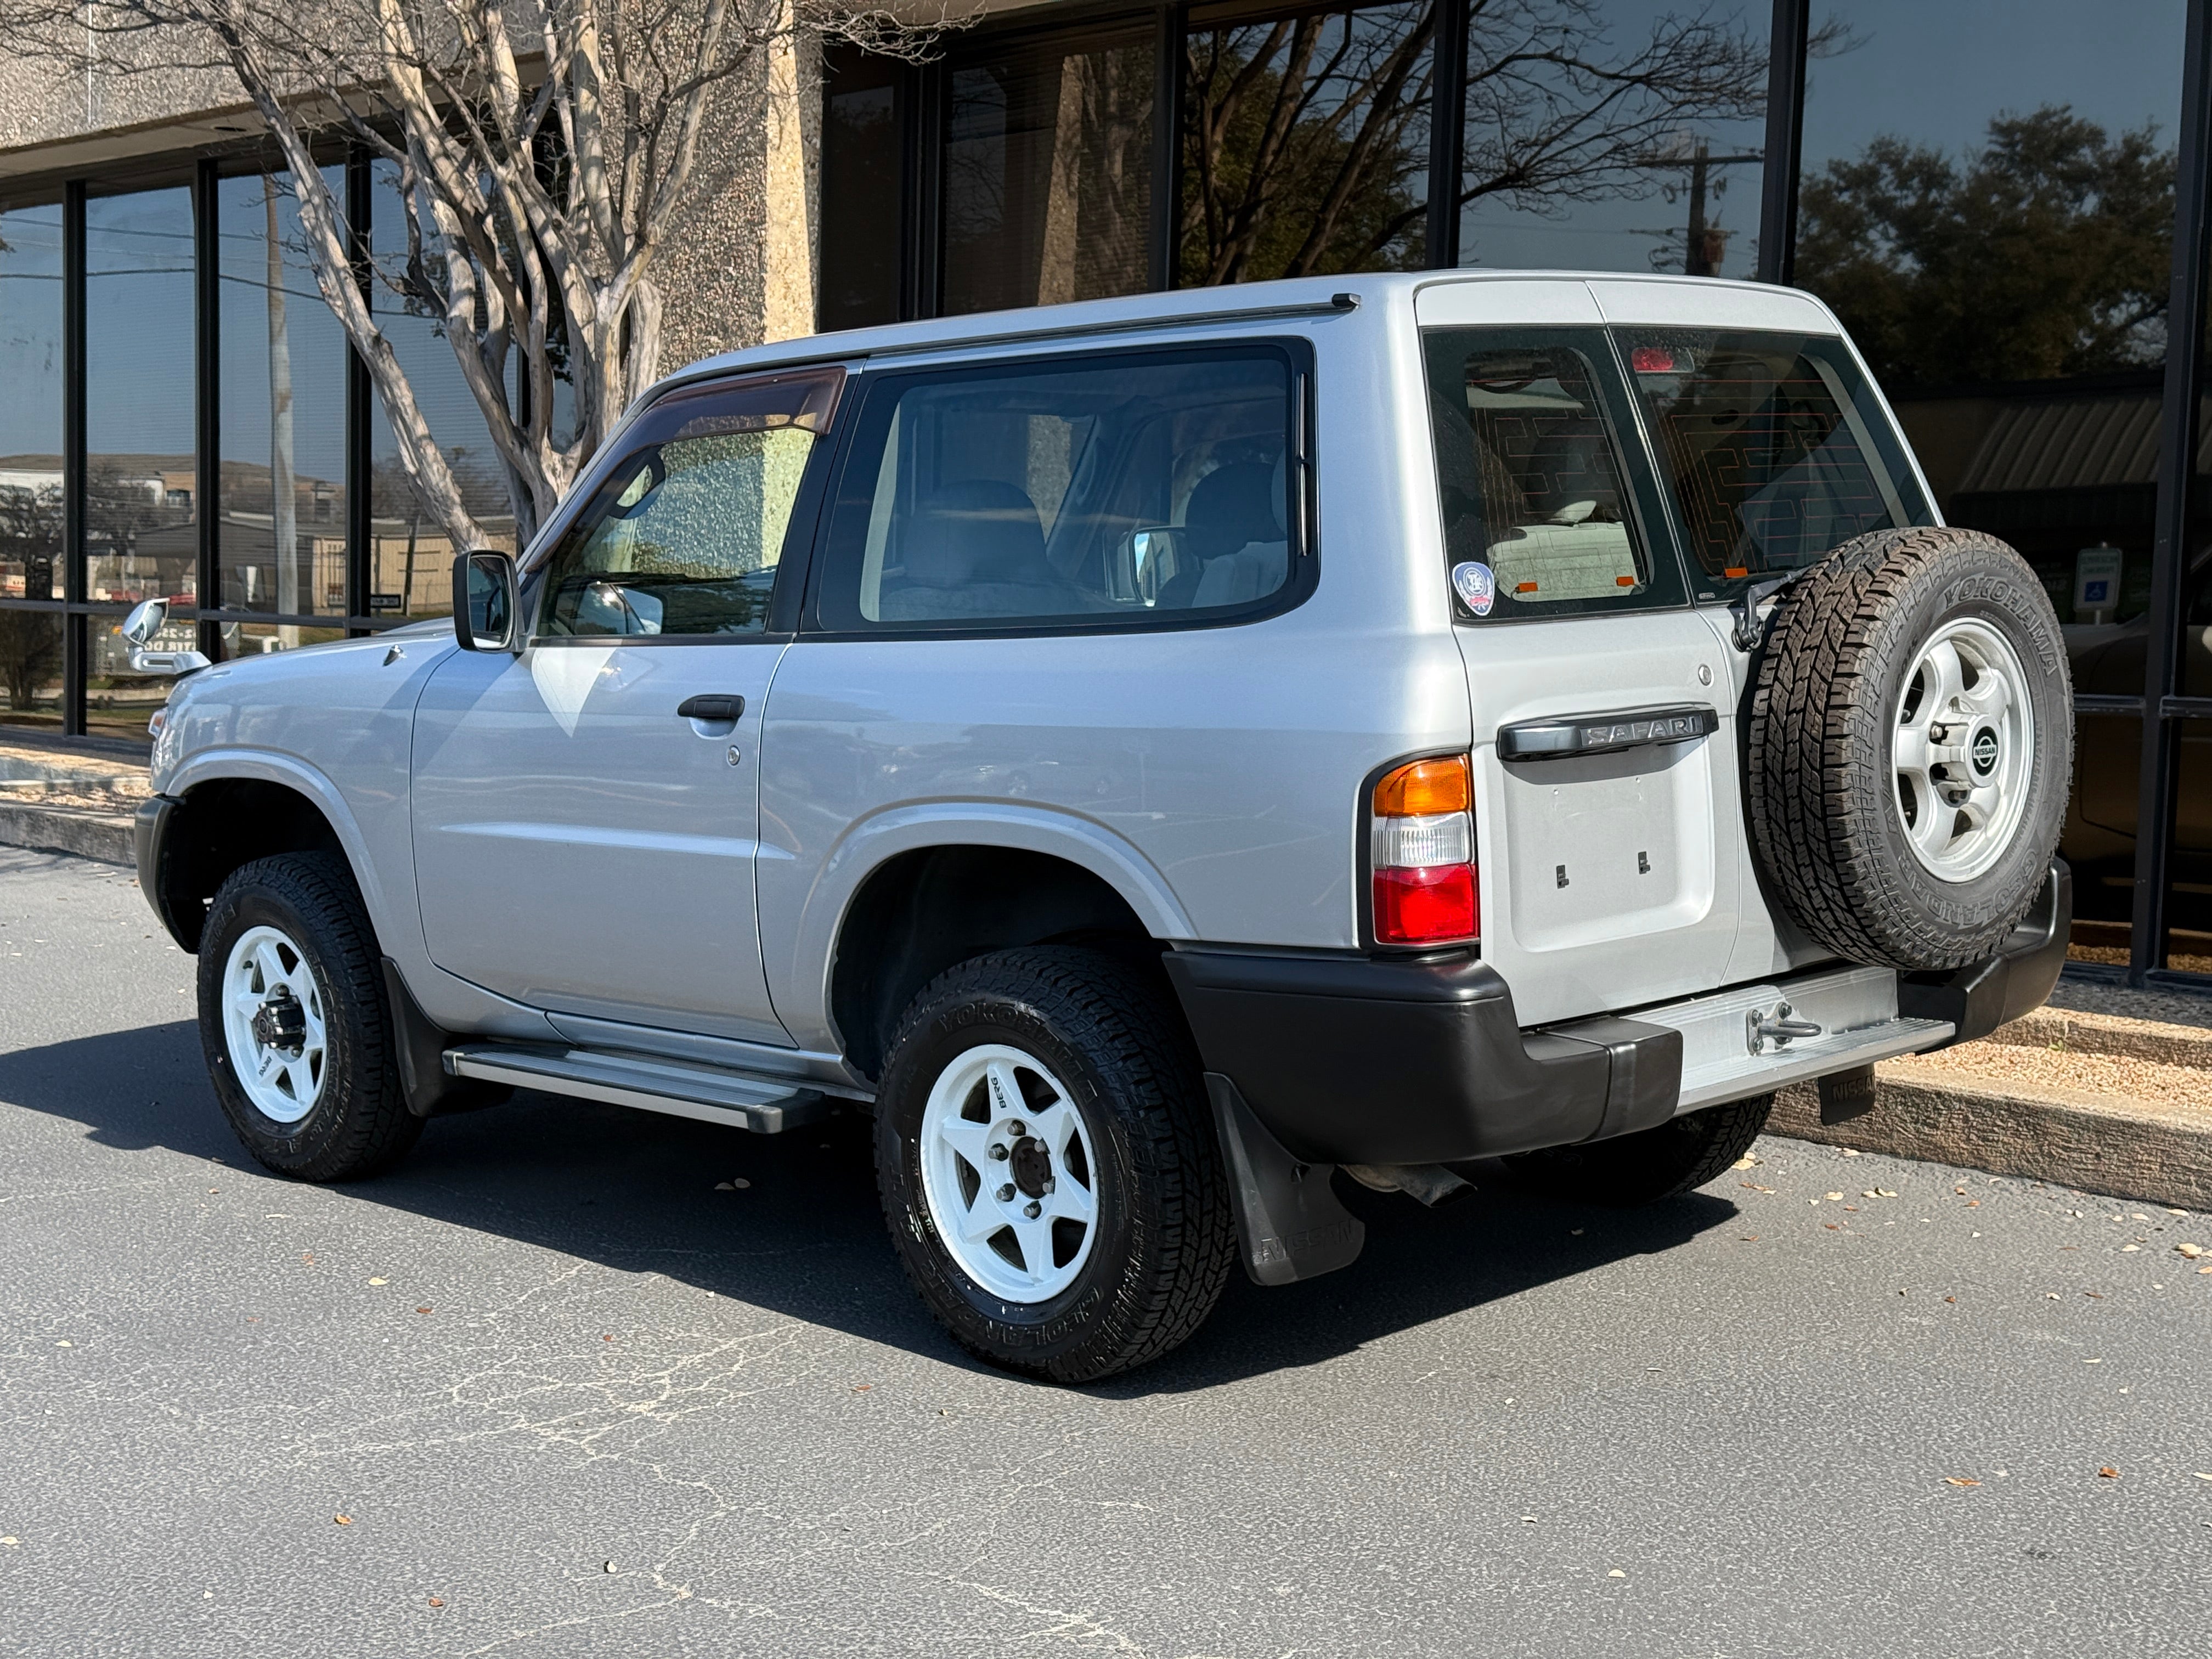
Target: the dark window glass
(1126, 488)
(30, 461)
(280, 541)
(1047, 172)
(1994, 226)
(1537, 515)
(1774, 446)
(1620, 136)
(862, 175)
(684, 534)
(1305, 143)
(142, 511)
(410, 558)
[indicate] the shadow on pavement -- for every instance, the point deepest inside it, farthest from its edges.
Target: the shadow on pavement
(636, 1192)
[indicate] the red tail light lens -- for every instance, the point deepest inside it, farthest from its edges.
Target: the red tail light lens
(1435, 906)
(1421, 848)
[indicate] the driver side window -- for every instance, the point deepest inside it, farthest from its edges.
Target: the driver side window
(685, 534)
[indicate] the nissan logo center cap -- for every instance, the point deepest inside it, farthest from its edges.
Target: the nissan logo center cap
(1985, 751)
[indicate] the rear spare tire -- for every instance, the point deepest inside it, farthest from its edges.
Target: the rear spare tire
(1910, 746)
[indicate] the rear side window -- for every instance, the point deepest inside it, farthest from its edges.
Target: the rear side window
(1773, 446)
(1540, 517)
(1128, 489)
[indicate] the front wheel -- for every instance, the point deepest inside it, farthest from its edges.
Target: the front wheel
(293, 1023)
(1652, 1165)
(1047, 1164)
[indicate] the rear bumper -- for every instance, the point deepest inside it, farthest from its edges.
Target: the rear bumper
(1353, 1060)
(1360, 1060)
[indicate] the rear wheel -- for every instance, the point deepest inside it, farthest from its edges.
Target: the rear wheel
(1652, 1165)
(293, 1023)
(1047, 1164)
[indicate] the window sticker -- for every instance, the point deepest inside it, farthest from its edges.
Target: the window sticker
(1475, 587)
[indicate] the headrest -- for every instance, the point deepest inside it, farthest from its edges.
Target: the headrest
(979, 530)
(1233, 505)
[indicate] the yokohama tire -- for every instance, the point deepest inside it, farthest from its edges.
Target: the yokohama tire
(1854, 691)
(1652, 1165)
(1110, 1042)
(304, 907)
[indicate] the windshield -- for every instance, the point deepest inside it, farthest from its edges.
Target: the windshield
(1773, 445)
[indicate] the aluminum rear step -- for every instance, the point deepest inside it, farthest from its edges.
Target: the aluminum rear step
(1745, 1040)
(709, 1093)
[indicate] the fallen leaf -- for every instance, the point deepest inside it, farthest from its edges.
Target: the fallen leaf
(1833, 1198)
(862, 1388)
(421, 1310)
(2098, 1295)
(2199, 1473)
(2108, 1473)
(1748, 1238)
(1959, 1481)
(2193, 1251)
(343, 1520)
(1885, 1192)
(1853, 1208)
(1869, 1193)
(1851, 1151)
(13, 1543)
(2204, 1270)
(1744, 1162)
(435, 1603)
(379, 1281)
(1831, 1226)
(1616, 1573)
(1754, 1186)
(1950, 1298)
(741, 1183)
(2124, 1249)
(1973, 1203)
(724, 1186)
(606, 1339)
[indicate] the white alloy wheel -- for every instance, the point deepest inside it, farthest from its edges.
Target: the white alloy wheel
(1962, 751)
(273, 1024)
(1008, 1172)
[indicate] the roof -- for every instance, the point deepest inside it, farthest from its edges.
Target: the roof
(1313, 294)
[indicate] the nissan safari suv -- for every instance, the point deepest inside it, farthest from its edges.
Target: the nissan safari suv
(1155, 754)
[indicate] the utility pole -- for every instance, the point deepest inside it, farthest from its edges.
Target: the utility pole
(1705, 245)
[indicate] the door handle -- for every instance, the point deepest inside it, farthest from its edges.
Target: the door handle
(711, 706)
(1596, 735)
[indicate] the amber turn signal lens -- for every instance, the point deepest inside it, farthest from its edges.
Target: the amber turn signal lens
(1423, 787)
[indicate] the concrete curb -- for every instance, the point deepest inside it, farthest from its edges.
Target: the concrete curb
(103, 836)
(2137, 1149)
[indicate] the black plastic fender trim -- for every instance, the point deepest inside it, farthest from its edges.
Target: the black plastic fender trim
(2016, 981)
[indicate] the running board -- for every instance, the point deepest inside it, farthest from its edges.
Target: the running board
(708, 1093)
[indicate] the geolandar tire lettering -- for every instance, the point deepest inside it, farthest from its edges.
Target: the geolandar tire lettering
(1047, 1165)
(293, 1021)
(1910, 748)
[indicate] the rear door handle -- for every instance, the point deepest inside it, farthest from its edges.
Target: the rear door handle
(711, 706)
(1597, 734)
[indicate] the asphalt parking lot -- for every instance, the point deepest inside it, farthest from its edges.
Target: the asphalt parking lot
(561, 1385)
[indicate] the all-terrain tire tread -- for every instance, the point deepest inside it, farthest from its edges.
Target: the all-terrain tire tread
(1103, 1003)
(377, 1129)
(1815, 782)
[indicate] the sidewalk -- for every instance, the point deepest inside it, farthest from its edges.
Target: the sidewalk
(70, 799)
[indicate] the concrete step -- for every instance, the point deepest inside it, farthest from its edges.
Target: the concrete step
(106, 836)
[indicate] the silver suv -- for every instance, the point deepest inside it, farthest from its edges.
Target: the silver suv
(1156, 753)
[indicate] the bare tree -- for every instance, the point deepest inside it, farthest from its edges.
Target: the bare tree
(542, 148)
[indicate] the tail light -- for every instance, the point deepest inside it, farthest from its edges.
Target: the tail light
(1421, 849)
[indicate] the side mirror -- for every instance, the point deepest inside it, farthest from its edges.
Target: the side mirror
(145, 621)
(485, 595)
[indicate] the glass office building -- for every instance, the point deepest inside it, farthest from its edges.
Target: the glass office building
(2003, 199)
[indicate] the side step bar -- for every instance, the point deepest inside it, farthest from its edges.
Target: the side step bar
(708, 1093)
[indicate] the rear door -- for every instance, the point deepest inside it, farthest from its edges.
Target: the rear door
(1772, 447)
(1608, 828)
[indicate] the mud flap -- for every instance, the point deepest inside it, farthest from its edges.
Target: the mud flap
(1290, 1225)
